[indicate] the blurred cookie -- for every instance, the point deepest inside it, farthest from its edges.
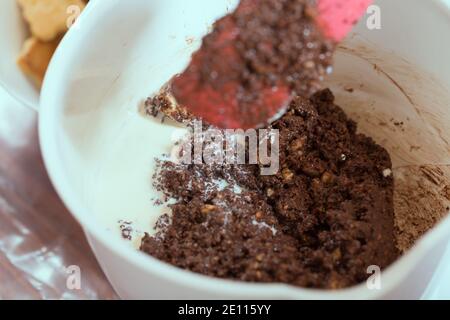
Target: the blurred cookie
(48, 18)
(35, 57)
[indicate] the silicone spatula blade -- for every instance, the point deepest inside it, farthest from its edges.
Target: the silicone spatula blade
(336, 18)
(218, 103)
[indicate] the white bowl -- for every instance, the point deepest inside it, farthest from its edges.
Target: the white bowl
(13, 32)
(98, 151)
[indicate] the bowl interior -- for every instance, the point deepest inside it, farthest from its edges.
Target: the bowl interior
(398, 91)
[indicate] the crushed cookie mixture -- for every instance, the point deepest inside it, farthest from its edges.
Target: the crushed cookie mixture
(320, 222)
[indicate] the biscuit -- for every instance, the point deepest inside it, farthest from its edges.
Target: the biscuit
(35, 57)
(48, 18)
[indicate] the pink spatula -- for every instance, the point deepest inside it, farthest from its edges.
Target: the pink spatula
(258, 57)
(336, 18)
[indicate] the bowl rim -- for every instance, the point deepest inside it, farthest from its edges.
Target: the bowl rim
(19, 98)
(50, 97)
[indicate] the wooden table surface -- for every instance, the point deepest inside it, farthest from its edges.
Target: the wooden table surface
(39, 238)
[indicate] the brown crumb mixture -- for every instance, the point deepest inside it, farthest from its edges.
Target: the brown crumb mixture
(320, 222)
(164, 104)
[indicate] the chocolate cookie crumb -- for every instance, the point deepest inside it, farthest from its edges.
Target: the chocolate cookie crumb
(319, 223)
(126, 229)
(163, 103)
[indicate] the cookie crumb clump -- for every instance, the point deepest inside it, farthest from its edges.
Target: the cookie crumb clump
(164, 104)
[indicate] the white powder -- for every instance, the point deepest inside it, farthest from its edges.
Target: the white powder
(387, 173)
(262, 225)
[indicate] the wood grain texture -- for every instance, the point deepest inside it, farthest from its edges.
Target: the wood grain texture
(38, 236)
